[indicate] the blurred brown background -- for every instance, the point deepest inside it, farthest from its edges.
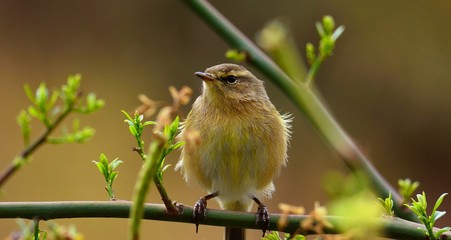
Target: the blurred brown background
(388, 84)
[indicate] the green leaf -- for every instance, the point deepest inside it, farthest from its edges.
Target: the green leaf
(407, 188)
(24, 120)
(126, 115)
(387, 205)
(101, 168)
(34, 112)
(29, 93)
(175, 125)
(42, 94)
(437, 214)
(133, 130)
(112, 177)
(439, 201)
(92, 104)
(149, 123)
(423, 230)
(338, 32)
(115, 163)
(103, 159)
(178, 145)
(130, 123)
(69, 91)
(442, 231)
(165, 168)
(319, 28)
(52, 100)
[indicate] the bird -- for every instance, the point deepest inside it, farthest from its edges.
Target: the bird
(240, 145)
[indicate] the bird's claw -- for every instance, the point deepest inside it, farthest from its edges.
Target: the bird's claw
(262, 218)
(200, 212)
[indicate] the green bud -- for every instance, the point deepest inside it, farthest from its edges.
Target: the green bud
(273, 35)
(328, 24)
(24, 120)
(326, 47)
(42, 94)
(310, 52)
(235, 55)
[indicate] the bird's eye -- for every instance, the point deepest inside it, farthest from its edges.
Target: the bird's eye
(231, 79)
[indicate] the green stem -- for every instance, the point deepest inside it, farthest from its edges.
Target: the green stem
(30, 149)
(147, 173)
(306, 101)
(392, 227)
(36, 228)
(313, 71)
(171, 208)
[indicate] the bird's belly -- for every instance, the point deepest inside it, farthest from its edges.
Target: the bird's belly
(235, 161)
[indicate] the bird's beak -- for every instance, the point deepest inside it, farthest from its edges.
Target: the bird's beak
(204, 76)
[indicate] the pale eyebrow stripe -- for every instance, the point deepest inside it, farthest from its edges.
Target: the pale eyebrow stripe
(238, 72)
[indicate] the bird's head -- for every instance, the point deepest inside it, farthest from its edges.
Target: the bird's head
(231, 82)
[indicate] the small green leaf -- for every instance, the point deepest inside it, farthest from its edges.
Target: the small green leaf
(407, 188)
(178, 145)
(130, 123)
(442, 231)
(133, 130)
(165, 168)
(319, 28)
(52, 100)
(175, 124)
(437, 214)
(423, 230)
(101, 168)
(113, 176)
(439, 201)
(149, 123)
(34, 112)
(24, 122)
(338, 32)
(29, 93)
(115, 163)
(126, 115)
(103, 159)
(387, 205)
(42, 94)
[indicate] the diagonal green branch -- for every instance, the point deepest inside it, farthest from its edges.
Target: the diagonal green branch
(18, 162)
(306, 101)
(392, 227)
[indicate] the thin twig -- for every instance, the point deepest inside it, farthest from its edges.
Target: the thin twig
(172, 208)
(306, 101)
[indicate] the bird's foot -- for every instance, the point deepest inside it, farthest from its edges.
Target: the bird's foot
(200, 212)
(200, 209)
(262, 218)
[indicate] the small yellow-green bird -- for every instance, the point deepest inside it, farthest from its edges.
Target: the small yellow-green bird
(241, 143)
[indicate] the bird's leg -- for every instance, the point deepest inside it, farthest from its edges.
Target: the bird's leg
(200, 209)
(262, 216)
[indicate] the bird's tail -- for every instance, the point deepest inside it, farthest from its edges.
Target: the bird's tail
(232, 233)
